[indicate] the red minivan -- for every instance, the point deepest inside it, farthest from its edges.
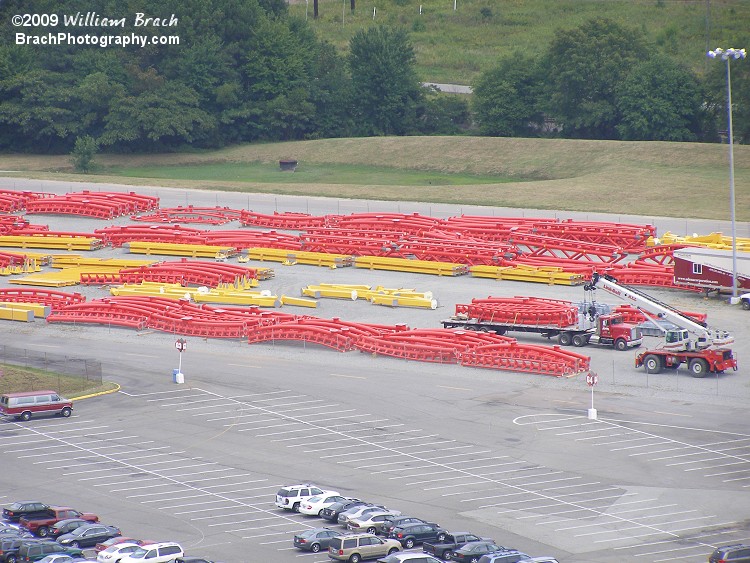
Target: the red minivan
(34, 403)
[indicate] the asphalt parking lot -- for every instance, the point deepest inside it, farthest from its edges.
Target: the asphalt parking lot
(663, 474)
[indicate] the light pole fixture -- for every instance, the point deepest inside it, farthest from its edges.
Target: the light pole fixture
(727, 55)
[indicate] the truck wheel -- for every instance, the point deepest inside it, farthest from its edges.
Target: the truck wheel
(448, 555)
(441, 538)
(746, 304)
(66, 412)
(579, 340)
(295, 507)
(42, 532)
(621, 345)
(565, 339)
(25, 415)
(698, 367)
(652, 363)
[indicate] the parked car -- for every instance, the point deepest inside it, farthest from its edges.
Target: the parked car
(506, 556)
(114, 553)
(119, 539)
(88, 535)
(409, 558)
(444, 549)
(292, 496)
(360, 511)
(315, 540)
(163, 552)
(738, 553)
(9, 546)
(60, 558)
(371, 523)
(66, 526)
(413, 534)
(332, 512)
(314, 505)
(399, 520)
(358, 547)
(34, 551)
(473, 551)
(13, 532)
(28, 508)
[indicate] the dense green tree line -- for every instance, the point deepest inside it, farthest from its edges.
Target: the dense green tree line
(244, 70)
(604, 81)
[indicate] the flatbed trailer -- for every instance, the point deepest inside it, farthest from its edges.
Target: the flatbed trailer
(567, 335)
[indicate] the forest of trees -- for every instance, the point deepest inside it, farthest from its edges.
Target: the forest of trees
(245, 71)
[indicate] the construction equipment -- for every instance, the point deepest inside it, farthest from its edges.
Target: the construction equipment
(576, 324)
(692, 343)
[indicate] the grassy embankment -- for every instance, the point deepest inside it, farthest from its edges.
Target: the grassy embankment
(456, 46)
(16, 378)
(686, 180)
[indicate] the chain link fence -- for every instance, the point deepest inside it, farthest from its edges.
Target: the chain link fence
(87, 370)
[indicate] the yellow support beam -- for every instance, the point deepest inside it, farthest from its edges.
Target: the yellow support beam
(298, 301)
(113, 264)
(40, 241)
(319, 291)
(546, 274)
(37, 309)
(414, 266)
(291, 257)
(173, 249)
(16, 314)
(199, 295)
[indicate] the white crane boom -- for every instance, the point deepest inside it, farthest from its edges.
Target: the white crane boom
(705, 337)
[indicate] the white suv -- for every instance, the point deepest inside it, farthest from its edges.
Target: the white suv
(291, 496)
(154, 553)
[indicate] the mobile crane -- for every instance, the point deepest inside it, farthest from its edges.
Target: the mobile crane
(702, 349)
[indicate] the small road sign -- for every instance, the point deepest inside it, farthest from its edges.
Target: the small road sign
(592, 379)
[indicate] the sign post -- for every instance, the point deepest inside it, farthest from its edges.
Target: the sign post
(181, 346)
(591, 380)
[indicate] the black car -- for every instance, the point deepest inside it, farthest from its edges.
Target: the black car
(394, 521)
(315, 540)
(412, 534)
(738, 553)
(472, 551)
(332, 512)
(66, 526)
(25, 509)
(88, 535)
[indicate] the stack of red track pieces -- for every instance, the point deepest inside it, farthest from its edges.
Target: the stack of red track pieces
(56, 300)
(185, 272)
(12, 201)
(424, 345)
(191, 214)
(288, 221)
(521, 311)
(101, 205)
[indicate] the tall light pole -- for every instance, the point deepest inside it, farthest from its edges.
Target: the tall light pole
(727, 55)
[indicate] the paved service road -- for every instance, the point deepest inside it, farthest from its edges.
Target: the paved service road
(663, 474)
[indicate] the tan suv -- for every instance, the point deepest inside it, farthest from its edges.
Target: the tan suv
(357, 547)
